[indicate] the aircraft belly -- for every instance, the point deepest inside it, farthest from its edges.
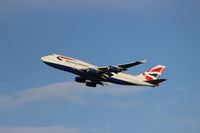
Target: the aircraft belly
(119, 81)
(75, 71)
(61, 67)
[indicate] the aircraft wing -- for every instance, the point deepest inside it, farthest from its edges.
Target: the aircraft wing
(131, 64)
(119, 68)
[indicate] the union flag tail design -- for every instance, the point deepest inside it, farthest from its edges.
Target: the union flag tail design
(152, 74)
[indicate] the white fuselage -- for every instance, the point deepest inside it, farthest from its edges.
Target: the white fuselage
(76, 66)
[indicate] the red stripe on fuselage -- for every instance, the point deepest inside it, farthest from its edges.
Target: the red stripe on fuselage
(66, 58)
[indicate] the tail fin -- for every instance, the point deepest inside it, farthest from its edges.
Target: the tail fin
(152, 74)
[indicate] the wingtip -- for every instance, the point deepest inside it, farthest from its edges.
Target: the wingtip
(143, 61)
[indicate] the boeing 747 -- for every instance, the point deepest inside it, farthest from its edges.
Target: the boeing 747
(92, 75)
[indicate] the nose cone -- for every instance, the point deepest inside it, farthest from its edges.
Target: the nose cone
(43, 59)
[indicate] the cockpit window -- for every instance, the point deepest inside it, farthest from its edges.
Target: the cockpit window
(59, 58)
(65, 58)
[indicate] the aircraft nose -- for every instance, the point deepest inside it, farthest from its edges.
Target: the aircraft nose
(43, 58)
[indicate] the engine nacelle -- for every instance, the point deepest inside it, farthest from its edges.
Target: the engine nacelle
(92, 71)
(90, 84)
(80, 79)
(114, 69)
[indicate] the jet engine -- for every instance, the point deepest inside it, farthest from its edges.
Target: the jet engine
(80, 79)
(92, 71)
(114, 69)
(91, 84)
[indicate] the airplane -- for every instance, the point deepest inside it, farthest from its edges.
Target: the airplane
(93, 75)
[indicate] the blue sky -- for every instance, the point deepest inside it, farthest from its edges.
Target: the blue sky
(37, 98)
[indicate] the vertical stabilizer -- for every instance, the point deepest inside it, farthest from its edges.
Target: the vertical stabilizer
(152, 74)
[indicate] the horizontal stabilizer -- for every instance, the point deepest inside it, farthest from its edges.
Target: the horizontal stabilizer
(157, 81)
